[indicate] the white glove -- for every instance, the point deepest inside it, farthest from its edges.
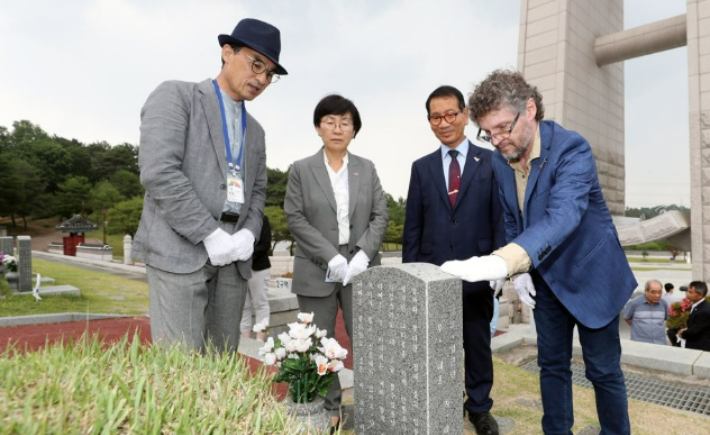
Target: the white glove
(244, 242)
(220, 247)
(358, 264)
(526, 290)
(487, 268)
(497, 286)
(337, 268)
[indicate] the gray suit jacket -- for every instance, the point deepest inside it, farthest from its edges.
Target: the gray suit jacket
(183, 168)
(312, 219)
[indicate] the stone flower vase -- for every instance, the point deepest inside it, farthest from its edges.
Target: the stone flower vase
(311, 418)
(12, 278)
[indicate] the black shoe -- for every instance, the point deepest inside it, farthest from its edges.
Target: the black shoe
(484, 423)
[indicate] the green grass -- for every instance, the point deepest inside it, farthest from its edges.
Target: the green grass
(128, 388)
(97, 290)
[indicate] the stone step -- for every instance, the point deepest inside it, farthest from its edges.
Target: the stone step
(53, 290)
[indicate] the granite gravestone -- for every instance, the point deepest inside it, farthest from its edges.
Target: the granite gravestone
(6, 246)
(24, 263)
(407, 351)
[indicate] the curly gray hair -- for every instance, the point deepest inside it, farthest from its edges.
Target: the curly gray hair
(503, 88)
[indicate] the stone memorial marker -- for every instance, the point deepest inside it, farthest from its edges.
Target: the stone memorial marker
(24, 263)
(407, 351)
(6, 245)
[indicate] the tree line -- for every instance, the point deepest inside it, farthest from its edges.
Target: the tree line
(43, 176)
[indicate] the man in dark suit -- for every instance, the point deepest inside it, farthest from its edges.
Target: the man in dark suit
(563, 250)
(203, 165)
(697, 334)
(453, 212)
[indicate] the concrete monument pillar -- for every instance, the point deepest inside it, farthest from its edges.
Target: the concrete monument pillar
(127, 248)
(698, 19)
(407, 351)
(556, 54)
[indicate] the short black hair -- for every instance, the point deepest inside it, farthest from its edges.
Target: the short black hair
(446, 91)
(668, 287)
(335, 104)
(700, 287)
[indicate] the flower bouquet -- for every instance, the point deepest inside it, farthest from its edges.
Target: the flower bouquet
(307, 360)
(678, 314)
(9, 262)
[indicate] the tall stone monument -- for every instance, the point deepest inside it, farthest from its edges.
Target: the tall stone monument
(407, 351)
(573, 51)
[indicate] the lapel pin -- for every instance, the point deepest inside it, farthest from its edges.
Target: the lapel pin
(476, 158)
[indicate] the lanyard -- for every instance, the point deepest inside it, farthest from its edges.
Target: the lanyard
(238, 164)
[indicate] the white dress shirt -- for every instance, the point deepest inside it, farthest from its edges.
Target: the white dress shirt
(339, 182)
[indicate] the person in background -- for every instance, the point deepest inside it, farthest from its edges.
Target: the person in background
(337, 213)
(258, 298)
(697, 334)
(647, 315)
(670, 296)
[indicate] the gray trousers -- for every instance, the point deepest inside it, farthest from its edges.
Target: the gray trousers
(194, 308)
(325, 311)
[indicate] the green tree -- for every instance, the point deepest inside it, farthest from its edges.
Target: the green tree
(30, 190)
(279, 229)
(9, 186)
(127, 183)
(395, 228)
(124, 217)
(72, 196)
(103, 195)
(24, 132)
(276, 187)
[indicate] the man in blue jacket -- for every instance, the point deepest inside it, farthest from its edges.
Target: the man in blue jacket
(563, 252)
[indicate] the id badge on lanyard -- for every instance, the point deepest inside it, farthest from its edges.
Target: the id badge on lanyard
(235, 175)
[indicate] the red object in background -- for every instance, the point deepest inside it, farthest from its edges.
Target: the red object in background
(70, 243)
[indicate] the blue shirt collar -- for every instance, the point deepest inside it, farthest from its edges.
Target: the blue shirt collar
(462, 148)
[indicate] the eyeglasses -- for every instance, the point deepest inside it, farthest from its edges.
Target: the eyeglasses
(654, 292)
(259, 67)
(329, 123)
(503, 134)
(449, 117)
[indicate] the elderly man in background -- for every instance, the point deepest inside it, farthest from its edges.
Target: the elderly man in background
(647, 315)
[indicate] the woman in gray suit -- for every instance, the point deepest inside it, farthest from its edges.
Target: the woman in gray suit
(337, 212)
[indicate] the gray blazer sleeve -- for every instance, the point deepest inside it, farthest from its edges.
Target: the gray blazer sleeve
(310, 240)
(163, 134)
(372, 238)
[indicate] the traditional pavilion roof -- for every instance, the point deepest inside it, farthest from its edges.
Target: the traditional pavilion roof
(77, 224)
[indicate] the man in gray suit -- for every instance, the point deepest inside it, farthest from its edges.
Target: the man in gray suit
(203, 165)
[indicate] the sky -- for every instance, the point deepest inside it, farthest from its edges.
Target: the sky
(83, 69)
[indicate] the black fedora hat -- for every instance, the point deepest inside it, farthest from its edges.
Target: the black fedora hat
(259, 36)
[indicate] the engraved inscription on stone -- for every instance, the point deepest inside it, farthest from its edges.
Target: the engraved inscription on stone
(6, 245)
(407, 351)
(24, 263)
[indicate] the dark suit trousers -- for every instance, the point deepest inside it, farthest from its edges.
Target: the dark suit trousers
(478, 361)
